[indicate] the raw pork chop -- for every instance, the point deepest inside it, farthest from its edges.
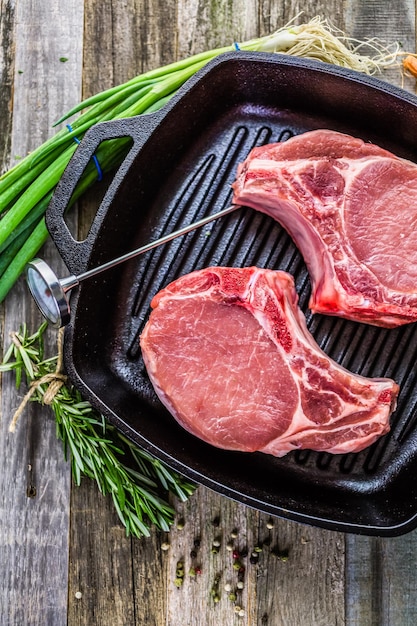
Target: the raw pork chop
(229, 354)
(351, 208)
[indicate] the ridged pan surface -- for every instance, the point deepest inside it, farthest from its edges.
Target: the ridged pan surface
(181, 168)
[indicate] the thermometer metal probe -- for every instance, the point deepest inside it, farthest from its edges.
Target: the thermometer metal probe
(51, 293)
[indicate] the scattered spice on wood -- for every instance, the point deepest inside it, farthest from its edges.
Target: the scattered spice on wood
(215, 588)
(281, 554)
(179, 574)
(254, 558)
(216, 521)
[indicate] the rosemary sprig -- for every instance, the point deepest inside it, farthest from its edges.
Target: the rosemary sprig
(138, 483)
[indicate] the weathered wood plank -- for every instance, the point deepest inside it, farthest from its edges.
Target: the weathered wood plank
(7, 12)
(389, 22)
(291, 557)
(381, 579)
(276, 14)
(112, 579)
(205, 26)
(35, 486)
(100, 571)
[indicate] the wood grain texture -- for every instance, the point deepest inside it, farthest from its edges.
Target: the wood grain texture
(68, 561)
(381, 581)
(7, 22)
(35, 486)
(101, 574)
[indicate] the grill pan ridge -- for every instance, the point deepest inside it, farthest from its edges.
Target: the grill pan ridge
(180, 168)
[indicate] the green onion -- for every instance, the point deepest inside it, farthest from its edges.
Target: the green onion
(97, 450)
(26, 189)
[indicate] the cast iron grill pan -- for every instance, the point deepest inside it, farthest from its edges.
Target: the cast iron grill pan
(180, 168)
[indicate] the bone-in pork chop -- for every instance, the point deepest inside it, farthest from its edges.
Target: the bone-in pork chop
(351, 209)
(229, 354)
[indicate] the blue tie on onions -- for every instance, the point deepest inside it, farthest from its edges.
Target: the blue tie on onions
(26, 189)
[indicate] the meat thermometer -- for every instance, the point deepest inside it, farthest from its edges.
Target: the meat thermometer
(51, 293)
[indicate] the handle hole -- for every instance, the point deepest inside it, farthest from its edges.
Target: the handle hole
(89, 192)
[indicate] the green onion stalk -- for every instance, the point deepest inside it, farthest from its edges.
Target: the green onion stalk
(26, 189)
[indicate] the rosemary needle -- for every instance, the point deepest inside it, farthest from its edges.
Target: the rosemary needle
(138, 483)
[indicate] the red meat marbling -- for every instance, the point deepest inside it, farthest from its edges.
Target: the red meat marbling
(351, 209)
(229, 354)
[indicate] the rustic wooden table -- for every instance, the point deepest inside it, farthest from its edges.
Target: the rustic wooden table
(64, 556)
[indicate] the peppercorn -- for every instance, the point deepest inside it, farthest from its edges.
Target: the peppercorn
(194, 571)
(282, 555)
(179, 572)
(215, 589)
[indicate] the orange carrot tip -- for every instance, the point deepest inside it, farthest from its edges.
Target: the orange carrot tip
(410, 65)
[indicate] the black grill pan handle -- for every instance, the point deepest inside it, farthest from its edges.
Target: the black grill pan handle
(76, 253)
